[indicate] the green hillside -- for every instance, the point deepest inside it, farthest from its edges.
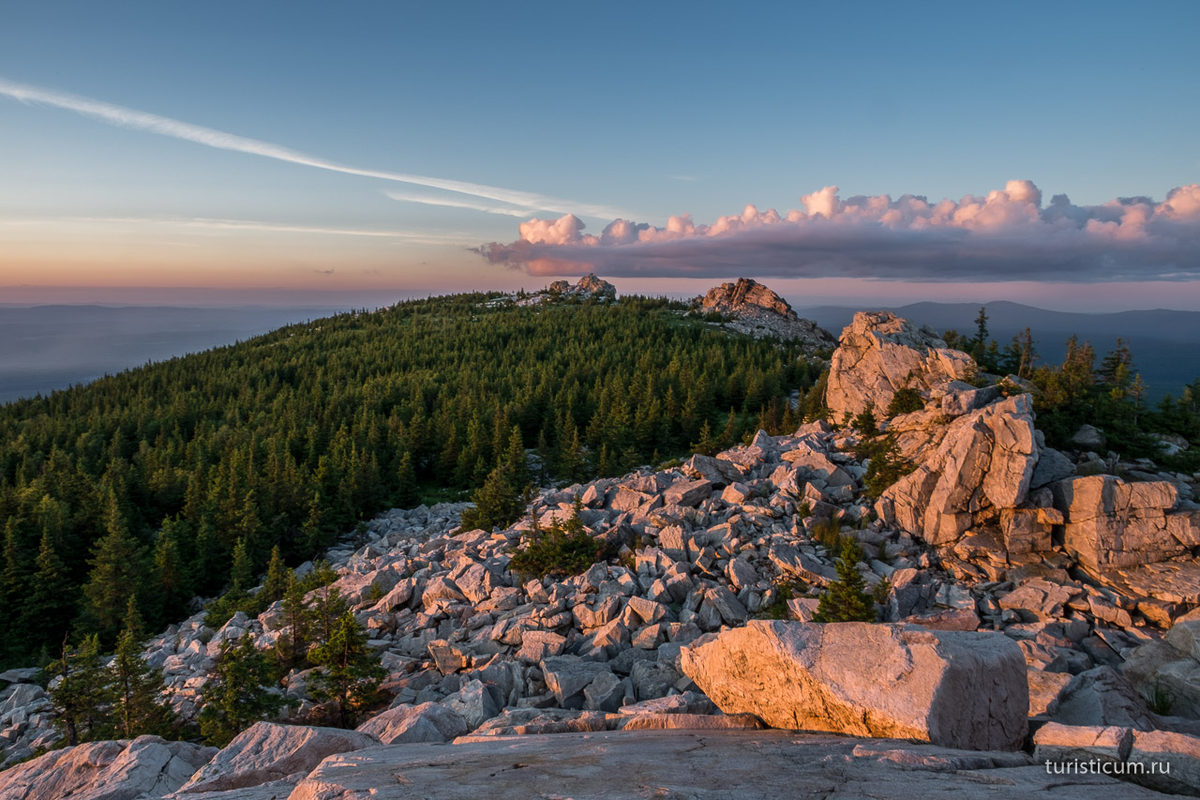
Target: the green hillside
(142, 483)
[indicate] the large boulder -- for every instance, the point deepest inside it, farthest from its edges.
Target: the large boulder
(267, 751)
(984, 460)
(427, 722)
(1111, 524)
(958, 689)
(880, 353)
(119, 770)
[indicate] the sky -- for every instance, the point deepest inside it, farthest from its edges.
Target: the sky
(299, 153)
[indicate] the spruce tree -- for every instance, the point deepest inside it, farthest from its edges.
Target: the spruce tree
(83, 695)
(846, 599)
(117, 573)
(137, 695)
(170, 576)
(238, 692)
(406, 482)
(275, 584)
(292, 646)
(50, 604)
(349, 673)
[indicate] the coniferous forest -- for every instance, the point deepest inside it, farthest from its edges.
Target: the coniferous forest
(138, 489)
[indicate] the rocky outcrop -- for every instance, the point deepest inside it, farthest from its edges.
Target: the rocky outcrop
(588, 286)
(756, 765)
(982, 465)
(755, 310)
(880, 353)
(1113, 524)
(955, 689)
(119, 770)
(269, 752)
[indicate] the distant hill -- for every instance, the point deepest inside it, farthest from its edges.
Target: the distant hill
(43, 348)
(1164, 343)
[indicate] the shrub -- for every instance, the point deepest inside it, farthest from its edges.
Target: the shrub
(565, 549)
(905, 401)
(887, 466)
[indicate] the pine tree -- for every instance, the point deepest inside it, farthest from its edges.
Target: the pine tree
(238, 692)
(81, 698)
(846, 599)
(138, 704)
(349, 673)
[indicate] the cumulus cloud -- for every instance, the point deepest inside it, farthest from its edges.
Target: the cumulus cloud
(1007, 234)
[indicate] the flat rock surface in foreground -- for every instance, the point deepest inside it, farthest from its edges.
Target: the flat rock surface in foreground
(687, 764)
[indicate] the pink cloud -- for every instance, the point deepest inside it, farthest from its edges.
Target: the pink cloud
(1005, 235)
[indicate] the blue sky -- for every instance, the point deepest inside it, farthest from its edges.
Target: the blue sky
(611, 110)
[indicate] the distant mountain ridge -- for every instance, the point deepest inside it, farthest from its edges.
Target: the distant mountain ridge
(1164, 342)
(49, 347)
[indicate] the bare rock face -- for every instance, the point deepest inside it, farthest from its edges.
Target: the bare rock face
(951, 688)
(119, 770)
(588, 286)
(705, 765)
(757, 311)
(880, 353)
(985, 459)
(267, 752)
(1114, 524)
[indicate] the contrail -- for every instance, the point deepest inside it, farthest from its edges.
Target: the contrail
(165, 126)
(249, 225)
(430, 200)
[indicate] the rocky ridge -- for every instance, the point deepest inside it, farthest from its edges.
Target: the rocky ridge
(755, 310)
(1089, 578)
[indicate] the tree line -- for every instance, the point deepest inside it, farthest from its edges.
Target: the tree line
(178, 479)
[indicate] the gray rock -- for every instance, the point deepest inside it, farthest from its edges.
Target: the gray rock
(267, 751)
(966, 690)
(707, 765)
(118, 770)
(428, 722)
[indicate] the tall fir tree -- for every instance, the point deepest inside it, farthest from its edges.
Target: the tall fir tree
(50, 603)
(138, 705)
(117, 574)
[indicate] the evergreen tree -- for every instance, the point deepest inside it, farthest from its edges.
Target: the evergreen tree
(171, 576)
(83, 695)
(137, 695)
(349, 673)
(117, 574)
(292, 645)
(406, 482)
(275, 584)
(238, 692)
(324, 610)
(50, 604)
(846, 599)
